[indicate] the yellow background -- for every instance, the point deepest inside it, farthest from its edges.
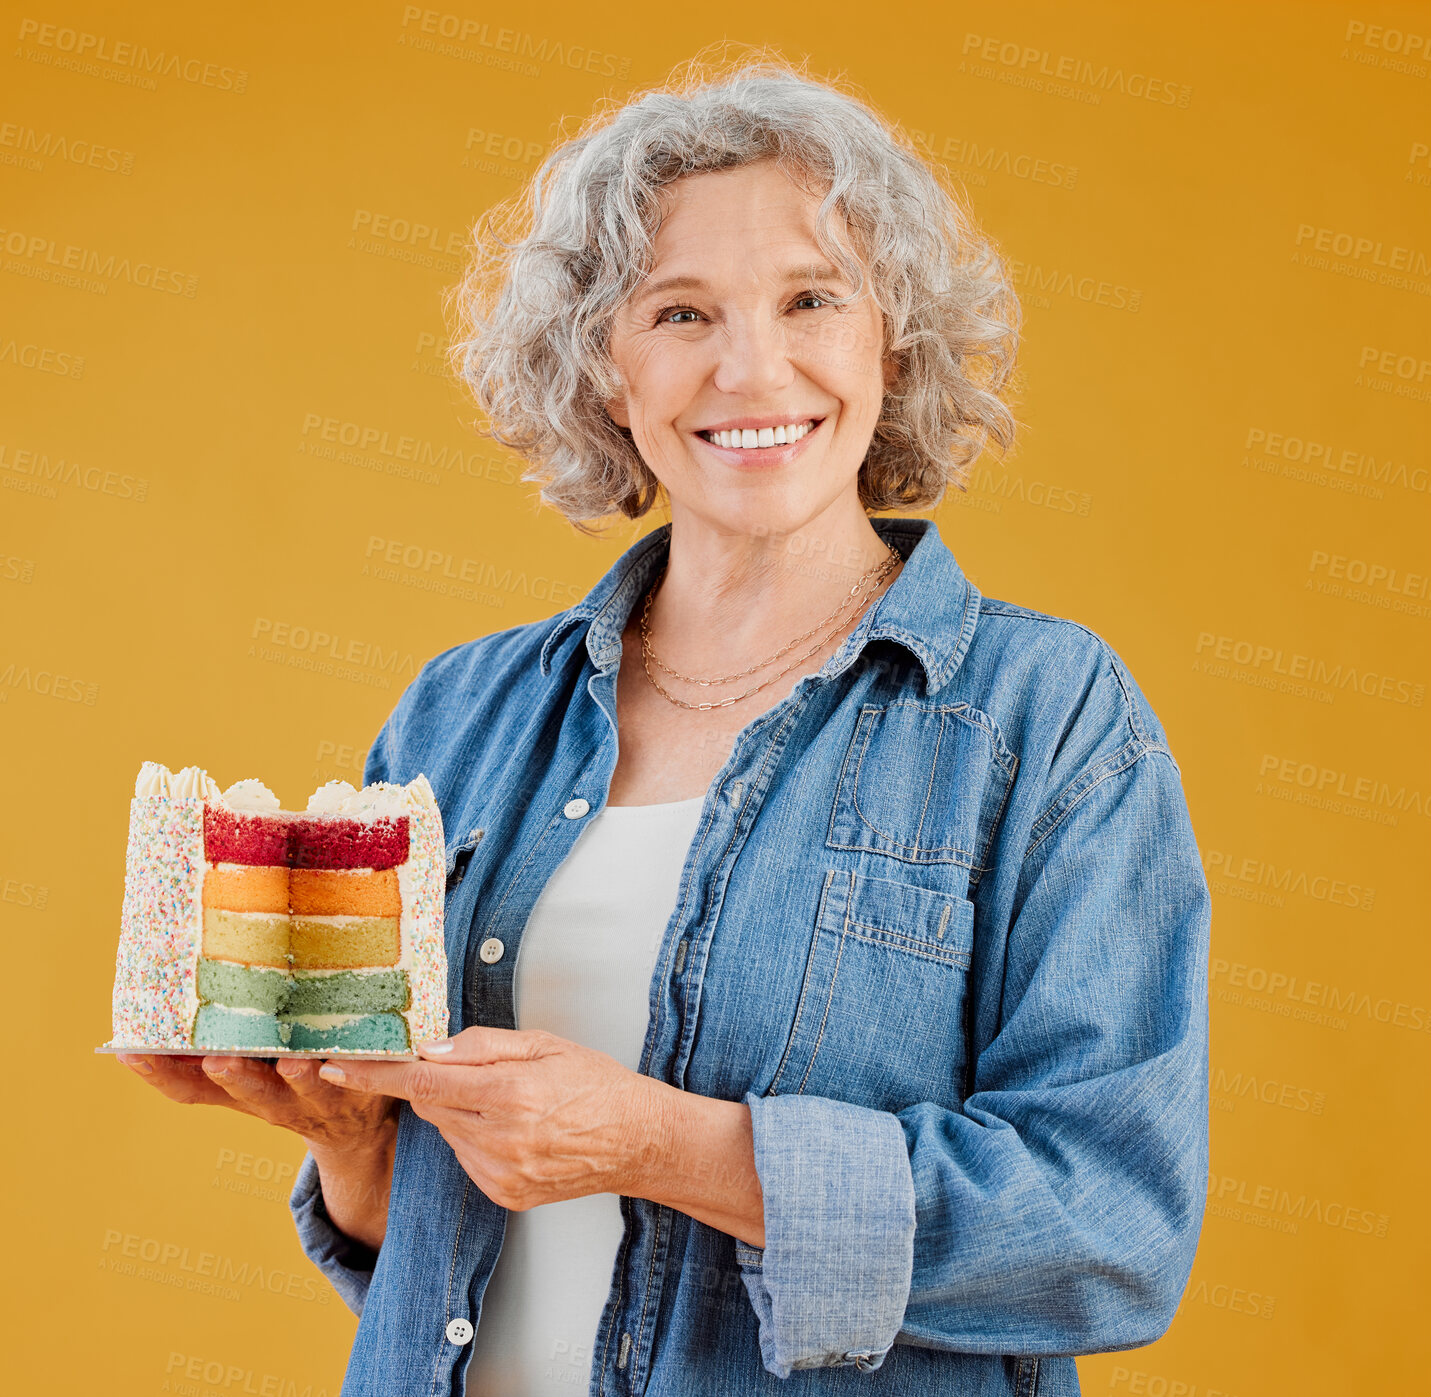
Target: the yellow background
(177, 533)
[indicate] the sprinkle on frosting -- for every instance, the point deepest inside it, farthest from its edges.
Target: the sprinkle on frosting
(162, 924)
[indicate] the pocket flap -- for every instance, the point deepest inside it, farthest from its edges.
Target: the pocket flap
(458, 857)
(903, 915)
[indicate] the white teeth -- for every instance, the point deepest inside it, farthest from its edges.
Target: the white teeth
(764, 436)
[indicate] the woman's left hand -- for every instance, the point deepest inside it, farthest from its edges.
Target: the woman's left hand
(534, 1118)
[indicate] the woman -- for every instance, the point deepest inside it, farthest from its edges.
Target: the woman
(859, 1039)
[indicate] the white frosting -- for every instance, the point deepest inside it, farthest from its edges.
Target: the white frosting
(422, 792)
(361, 971)
(331, 799)
(153, 780)
(336, 919)
(380, 799)
(194, 783)
(253, 797)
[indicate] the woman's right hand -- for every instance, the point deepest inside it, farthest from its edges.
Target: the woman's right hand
(351, 1135)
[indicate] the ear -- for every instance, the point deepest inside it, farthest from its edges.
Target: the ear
(616, 411)
(890, 369)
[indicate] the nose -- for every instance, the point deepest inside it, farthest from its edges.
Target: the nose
(754, 357)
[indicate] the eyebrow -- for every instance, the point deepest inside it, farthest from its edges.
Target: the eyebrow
(807, 271)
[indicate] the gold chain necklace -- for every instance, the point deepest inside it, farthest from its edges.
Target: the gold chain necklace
(875, 578)
(872, 576)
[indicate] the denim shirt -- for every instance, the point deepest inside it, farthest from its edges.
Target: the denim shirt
(943, 927)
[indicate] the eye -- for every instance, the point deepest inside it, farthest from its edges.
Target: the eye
(675, 310)
(810, 296)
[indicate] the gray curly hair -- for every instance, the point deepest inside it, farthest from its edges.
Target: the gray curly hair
(550, 268)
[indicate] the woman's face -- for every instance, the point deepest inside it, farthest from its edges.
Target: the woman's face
(731, 331)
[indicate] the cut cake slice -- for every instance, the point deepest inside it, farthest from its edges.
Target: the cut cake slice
(249, 926)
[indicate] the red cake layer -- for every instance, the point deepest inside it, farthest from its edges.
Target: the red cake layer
(233, 837)
(337, 843)
(303, 841)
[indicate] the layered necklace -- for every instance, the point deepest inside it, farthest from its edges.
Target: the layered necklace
(858, 597)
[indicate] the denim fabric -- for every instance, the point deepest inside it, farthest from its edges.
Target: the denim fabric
(943, 926)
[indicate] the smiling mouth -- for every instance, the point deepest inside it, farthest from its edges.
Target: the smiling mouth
(751, 439)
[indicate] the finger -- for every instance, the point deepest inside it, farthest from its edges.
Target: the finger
(423, 1084)
(179, 1078)
(479, 1046)
(253, 1086)
(312, 1092)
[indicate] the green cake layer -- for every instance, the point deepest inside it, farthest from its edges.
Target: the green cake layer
(218, 1027)
(347, 992)
(243, 986)
(298, 992)
(362, 1033)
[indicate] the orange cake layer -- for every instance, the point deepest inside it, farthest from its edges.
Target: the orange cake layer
(322, 892)
(237, 889)
(250, 940)
(350, 943)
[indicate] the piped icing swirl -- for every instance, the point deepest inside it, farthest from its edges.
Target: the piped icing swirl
(194, 783)
(252, 797)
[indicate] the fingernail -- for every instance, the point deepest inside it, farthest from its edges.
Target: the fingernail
(143, 1068)
(443, 1045)
(332, 1072)
(288, 1069)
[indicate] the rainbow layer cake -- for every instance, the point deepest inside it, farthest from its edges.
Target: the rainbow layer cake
(249, 926)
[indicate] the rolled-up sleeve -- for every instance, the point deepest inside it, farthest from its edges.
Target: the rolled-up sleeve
(1057, 1209)
(348, 1264)
(830, 1285)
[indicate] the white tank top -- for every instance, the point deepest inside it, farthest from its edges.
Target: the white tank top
(583, 972)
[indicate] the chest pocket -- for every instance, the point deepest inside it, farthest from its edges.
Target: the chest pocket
(881, 1016)
(458, 857)
(923, 783)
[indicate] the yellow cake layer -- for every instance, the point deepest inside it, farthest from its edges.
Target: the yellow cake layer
(237, 889)
(323, 892)
(248, 940)
(345, 943)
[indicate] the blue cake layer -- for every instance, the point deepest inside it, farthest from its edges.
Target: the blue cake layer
(217, 1027)
(366, 1033)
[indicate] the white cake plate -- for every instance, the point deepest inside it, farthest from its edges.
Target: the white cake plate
(273, 1053)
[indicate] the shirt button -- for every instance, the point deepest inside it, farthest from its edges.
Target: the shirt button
(575, 809)
(491, 952)
(459, 1331)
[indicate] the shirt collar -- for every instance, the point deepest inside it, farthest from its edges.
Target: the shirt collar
(930, 609)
